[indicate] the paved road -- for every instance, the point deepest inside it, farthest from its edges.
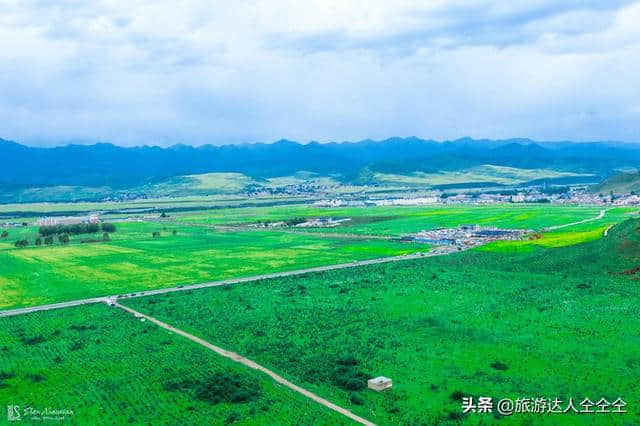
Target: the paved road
(591, 219)
(438, 251)
(249, 363)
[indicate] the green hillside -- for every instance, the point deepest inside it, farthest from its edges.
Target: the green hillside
(622, 183)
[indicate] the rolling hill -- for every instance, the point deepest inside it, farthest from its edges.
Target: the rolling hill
(622, 183)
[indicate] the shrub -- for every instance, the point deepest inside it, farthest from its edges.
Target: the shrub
(22, 243)
(64, 238)
(108, 227)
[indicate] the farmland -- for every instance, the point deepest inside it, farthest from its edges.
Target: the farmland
(133, 260)
(544, 322)
(107, 367)
(191, 247)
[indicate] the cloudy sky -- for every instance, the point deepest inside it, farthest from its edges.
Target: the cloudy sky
(164, 72)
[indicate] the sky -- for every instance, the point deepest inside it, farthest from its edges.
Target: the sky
(164, 72)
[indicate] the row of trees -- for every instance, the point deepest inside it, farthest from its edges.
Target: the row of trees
(76, 229)
(48, 240)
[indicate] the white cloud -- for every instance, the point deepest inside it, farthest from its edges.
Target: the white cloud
(212, 72)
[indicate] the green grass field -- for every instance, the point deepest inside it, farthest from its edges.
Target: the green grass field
(400, 220)
(109, 368)
(134, 261)
(553, 322)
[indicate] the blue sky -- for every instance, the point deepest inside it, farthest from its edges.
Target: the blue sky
(155, 72)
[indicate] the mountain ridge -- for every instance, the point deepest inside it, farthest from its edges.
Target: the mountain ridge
(120, 167)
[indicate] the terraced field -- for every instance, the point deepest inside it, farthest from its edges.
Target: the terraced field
(552, 322)
(109, 368)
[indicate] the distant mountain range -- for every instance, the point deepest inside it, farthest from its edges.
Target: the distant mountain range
(118, 167)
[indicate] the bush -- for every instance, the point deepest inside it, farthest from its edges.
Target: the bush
(22, 243)
(221, 388)
(4, 234)
(106, 237)
(48, 240)
(64, 238)
(38, 241)
(108, 227)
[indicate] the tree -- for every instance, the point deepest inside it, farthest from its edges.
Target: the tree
(175, 232)
(4, 234)
(108, 227)
(156, 234)
(48, 240)
(63, 238)
(22, 243)
(105, 237)
(163, 214)
(38, 241)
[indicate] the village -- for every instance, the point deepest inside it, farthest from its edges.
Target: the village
(466, 236)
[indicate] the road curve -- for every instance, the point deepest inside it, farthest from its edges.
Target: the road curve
(104, 299)
(591, 219)
(249, 363)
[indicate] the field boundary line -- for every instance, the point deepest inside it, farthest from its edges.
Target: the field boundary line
(249, 363)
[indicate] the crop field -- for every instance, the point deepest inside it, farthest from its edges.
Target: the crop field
(134, 260)
(394, 221)
(552, 322)
(109, 368)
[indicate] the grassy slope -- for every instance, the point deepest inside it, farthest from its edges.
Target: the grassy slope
(622, 183)
(487, 173)
(135, 261)
(110, 368)
(562, 321)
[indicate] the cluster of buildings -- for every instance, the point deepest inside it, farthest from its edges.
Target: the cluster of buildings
(465, 235)
(316, 222)
(578, 195)
(68, 220)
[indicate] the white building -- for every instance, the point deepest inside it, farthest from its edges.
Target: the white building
(379, 383)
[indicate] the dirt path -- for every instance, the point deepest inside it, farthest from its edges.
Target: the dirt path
(251, 364)
(591, 219)
(606, 231)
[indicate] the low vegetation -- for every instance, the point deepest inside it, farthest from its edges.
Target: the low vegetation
(103, 364)
(545, 322)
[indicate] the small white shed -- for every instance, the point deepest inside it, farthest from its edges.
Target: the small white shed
(379, 383)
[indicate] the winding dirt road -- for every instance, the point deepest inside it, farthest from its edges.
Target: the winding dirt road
(591, 219)
(249, 363)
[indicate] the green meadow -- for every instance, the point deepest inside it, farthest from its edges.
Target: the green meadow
(109, 368)
(552, 322)
(396, 220)
(134, 260)
(190, 249)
